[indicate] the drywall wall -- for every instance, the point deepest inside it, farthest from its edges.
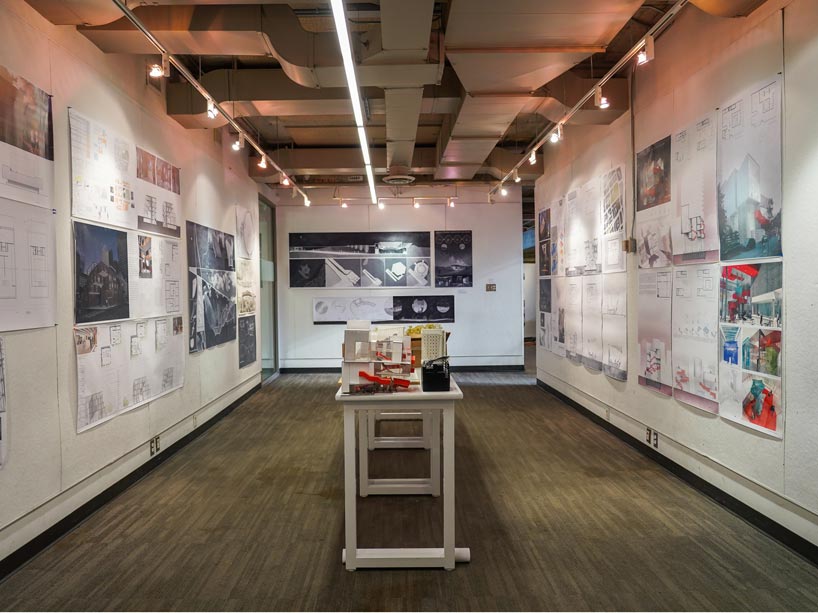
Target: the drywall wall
(530, 297)
(51, 470)
(488, 327)
(684, 82)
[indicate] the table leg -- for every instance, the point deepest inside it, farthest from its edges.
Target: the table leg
(427, 435)
(363, 451)
(370, 424)
(350, 499)
(434, 450)
(448, 487)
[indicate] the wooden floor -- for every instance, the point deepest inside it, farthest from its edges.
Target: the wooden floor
(559, 514)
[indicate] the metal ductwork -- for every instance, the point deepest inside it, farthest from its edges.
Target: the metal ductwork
(728, 8)
(503, 54)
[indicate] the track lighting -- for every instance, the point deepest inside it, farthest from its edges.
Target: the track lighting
(236, 145)
(160, 70)
(380, 205)
(211, 110)
(307, 201)
(516, 176)
(241, 140)
(600, 101)
(285, 180)
(262, 163)
(503, 190)
(532, 159)
(416, 204)
(647, 52)
(155, 71)
(451, 203)
(556, 135)
(343, 204)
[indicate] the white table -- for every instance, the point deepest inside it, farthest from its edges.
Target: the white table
(431, 405)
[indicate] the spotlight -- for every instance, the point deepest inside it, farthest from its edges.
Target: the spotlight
(603, 103)
(343, 205)
(516, 176)
(380, 205)
(532, 159)
(451, 203)
(285, 181)
(307, 201)
(503, 190)
(236, 145)
(416, 204)
(155, 71)
(641, 58)
(646, 54)
(211, 110)
(262, 163)
(556, 136)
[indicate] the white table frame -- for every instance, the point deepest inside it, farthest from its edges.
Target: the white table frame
(432, 405)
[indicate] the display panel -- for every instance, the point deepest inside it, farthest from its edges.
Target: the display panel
(613, 220)
(653, 205)
(247, 340)
(654, 329)
(615, 325)
(212, 287)
(3, 422)
(360, 259)
(384, 309)
(582, 219)
(453, 259)
(592, 322)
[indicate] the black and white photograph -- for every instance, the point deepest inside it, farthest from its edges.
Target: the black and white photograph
(360, 259)
(247, 340)
(212, 287)
(453, 259)
(545, 295)
(308, 273)
(423, 309)
(100, 273)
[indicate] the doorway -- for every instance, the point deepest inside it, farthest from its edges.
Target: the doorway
(267, 250)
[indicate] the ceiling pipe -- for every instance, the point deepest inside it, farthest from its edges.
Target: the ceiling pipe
(243, 135)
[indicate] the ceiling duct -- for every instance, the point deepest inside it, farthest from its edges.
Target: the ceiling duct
(727, 8)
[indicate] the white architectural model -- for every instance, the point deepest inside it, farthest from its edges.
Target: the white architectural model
(377, 359)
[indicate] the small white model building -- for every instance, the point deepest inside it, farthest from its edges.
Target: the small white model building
(381, 352)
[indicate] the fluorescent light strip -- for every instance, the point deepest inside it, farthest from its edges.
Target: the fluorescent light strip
(371, 180)
(340, 18)
(364, 146)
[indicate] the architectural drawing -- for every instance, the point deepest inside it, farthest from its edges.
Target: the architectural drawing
(3, 414)
(383, 309)
(654, 329)
(615, 325)
(592, 345)
(654, 214)
(695, 335)
(246, 233)
(558, 292)
(155, 284)
(573, 319)
(247, 340)
(583, 219)
(613, 220)
(749, 174)
(453, 259)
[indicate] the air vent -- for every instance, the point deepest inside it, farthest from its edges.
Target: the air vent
(398, 179)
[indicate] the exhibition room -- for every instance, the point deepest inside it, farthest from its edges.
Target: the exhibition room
(326, 305)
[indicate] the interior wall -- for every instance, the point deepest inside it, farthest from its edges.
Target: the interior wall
(700, 63)
(530, 297)
(52, 470)
(488, 327)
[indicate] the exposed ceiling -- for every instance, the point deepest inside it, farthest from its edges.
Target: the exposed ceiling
(453, 90)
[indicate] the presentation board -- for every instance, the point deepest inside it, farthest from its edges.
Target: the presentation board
(383, 309)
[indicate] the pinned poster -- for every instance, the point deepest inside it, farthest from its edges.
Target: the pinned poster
(654, 214)
(615, 325)
(750, 348)
(695, 335)
(573, 319)
(558, 292)
(592, 322)
(613, 220)
(695, 227)
(653, 329)
(749, 163)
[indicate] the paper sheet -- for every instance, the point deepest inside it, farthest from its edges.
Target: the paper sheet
(654, 329)
(615, 325)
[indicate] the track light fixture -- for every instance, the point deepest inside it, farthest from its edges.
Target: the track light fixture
(307, 201)
(236, 145)
(600, 101)
(343, 204)
(532, 159)
(646, 54)
(516, 176)
(416, 204)
(381, 205)
(451, 203)
(262, 163)
(155, 71)
(285, 180)
(241, 140)
(211, 110)
(556, 135)
(503, 190)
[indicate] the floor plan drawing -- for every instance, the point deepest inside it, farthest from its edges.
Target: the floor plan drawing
(8, 283)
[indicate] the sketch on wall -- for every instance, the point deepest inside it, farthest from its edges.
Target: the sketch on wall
(750, 338)
(582, 220)
(212, 287)
(615, 325)
(453, 259)
(695, 226)
(695, 335)
(27, 266)
(101, 287)
(246, 280)
(118, 183)
(653, 205)
(3, 418)
(247, 340)
(749, 185)
(592, 322)
(123, 365)
(384, 309)
(613, 220)
(360, 259)
(26, 141)
(654, 329)
(246, 233)
(544, 242)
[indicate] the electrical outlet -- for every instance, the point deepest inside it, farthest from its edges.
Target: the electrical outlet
(155, 446)
(656, 439)
(647, 435)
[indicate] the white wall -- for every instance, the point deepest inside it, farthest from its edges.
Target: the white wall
(51, 470)
(531, 295)
(488, 328)
(701, 62)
